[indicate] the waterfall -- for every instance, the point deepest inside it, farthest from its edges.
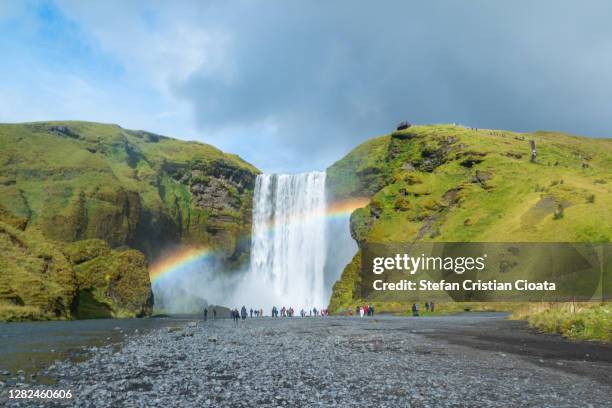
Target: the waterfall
(289, 245)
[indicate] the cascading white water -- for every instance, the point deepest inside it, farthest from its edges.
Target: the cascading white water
(288, 249)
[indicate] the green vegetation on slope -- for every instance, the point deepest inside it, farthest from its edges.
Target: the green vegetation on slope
(449, 183)
(591, 321)
(80, 180)
(36, 279)
(111, 283)
(79, 200)
(42, 279)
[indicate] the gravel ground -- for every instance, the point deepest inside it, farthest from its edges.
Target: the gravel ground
(336, 361)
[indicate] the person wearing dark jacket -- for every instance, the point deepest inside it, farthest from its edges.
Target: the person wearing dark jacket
(243, 313)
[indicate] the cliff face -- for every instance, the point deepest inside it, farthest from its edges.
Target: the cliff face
(453, 184)
(68, 182)
(78, 180)
(110, 283)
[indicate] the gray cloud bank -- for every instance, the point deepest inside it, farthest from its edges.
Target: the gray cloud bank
(292, 86)
(318, 77)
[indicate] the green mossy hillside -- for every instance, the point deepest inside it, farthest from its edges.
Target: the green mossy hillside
(81, 202)
(80, 180)
(450, 183)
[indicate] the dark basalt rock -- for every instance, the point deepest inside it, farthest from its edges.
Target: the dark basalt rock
(64, 131)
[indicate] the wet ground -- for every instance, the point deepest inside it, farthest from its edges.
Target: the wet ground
(31, 346)
(474, 359)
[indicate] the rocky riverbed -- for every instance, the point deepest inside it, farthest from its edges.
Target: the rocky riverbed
(336, 361)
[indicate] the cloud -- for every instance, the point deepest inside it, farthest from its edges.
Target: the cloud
(329, 75)
(292, 86)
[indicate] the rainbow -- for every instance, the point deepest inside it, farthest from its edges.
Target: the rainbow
(185, 257)
(177, 261)
(344, 208)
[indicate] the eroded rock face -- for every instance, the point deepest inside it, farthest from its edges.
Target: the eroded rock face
(111, 283)
(217, 212)
(216, 195)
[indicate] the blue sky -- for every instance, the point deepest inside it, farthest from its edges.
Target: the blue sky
(292, 86)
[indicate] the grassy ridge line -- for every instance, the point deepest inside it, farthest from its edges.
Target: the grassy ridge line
(481, 187)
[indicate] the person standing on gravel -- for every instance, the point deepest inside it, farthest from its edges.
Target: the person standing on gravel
(415, 309)
(427, 306)
(361, 311)
(205, 313)
(431, 307)
(243, 313)
(251, 310)
(214, 314)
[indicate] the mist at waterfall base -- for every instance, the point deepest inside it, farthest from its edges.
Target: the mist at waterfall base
(185, 280)
(300, 243)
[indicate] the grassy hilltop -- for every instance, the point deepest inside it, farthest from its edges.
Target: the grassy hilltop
(80, 203)
(454, 184)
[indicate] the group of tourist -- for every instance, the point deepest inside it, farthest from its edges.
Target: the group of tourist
(236, 314)
(314, 312)
(429, 307)
(365, 310)
(257, 313)
(284, 311)
(290, 312)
